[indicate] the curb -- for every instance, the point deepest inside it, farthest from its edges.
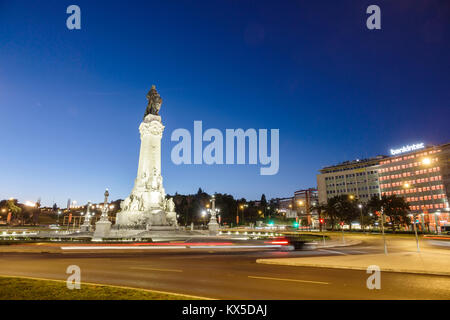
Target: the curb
(314, 265)
(112, 286)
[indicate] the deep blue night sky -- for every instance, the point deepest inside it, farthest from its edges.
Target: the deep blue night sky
(71, 101)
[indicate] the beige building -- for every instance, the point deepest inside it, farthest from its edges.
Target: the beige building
(358, 178)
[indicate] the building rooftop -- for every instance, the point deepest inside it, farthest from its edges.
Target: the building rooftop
(354, 163)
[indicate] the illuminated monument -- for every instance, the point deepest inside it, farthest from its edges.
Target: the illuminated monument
(147, 205)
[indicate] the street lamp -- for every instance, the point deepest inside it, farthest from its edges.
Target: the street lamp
(360, 209)
(30, 204)
(427, 162)
(436, 215)
(423, 222)
(415, 232)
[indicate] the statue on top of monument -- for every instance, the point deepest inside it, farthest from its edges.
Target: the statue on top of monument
(154, 102)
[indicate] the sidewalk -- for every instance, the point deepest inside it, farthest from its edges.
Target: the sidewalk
(405, 262)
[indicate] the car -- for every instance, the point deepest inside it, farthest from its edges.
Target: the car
(445, 229)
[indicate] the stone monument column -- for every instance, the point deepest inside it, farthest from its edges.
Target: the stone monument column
(149, 168)
(147, 205)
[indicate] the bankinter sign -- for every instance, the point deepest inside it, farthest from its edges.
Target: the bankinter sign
(408, 148)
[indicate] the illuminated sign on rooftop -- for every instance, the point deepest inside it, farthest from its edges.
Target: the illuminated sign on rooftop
(407, 148)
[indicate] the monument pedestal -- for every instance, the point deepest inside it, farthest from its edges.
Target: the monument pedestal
(102, 229)
(85, 228)
(213, 228)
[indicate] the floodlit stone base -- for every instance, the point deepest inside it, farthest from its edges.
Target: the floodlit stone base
(102, 229)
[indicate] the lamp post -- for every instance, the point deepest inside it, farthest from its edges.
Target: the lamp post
(381, 214)
(426, 162)
(299, 204)
(237, 214)
(382, 230)
(104, 216)
(360, 209)
(415, 232)
(213, 226)
(86, 226)
(436, 215)
(423, 222)
(242, 207)
(204, 216)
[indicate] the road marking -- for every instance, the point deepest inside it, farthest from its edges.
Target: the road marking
(332, 251)
(353, 251)
(440, 243)
(156, 269)
(293, 280)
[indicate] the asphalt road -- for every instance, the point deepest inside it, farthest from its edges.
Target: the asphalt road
(228, 274)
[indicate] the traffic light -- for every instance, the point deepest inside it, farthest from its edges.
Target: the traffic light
(295, 224)
(321, 221)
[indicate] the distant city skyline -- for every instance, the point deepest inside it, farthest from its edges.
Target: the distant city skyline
(71, 100)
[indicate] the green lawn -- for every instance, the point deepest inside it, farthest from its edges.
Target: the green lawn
(12, 288)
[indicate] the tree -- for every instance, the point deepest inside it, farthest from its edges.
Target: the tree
(331, 212)
(394, 208)
(341, 208)
(263, 204)
(13, 208)
(37, 212)
(346, 209)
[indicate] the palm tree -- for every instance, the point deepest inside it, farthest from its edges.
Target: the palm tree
(345, 208)
(15, 210)
(331, 211)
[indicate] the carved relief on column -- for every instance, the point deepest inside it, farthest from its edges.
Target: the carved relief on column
(154, 128)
